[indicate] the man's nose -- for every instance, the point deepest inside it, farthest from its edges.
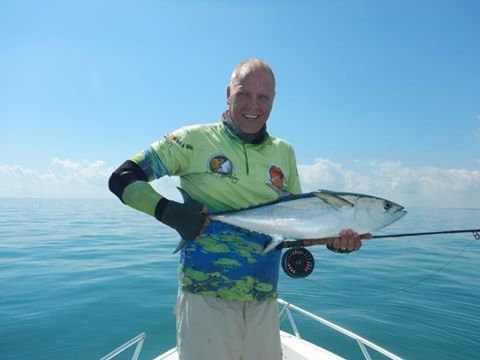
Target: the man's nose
(254, 102)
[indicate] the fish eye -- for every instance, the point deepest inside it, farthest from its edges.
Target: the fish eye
(387, 205)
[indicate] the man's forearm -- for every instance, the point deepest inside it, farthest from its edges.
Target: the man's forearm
(141, 196)
(129, 183)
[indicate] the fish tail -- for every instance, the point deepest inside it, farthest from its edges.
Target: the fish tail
(180, 245)
(184, 194)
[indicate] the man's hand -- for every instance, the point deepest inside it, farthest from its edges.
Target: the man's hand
(348, 241)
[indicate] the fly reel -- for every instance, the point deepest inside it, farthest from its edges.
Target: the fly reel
(298, 262)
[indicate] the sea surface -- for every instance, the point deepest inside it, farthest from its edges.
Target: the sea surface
(78, 278)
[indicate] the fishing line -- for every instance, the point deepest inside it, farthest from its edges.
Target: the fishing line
(432, 274)
(421, 280)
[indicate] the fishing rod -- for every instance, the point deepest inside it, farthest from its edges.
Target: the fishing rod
(326, 241)
(298, 262)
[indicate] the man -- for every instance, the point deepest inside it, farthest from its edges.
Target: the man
(226, 306)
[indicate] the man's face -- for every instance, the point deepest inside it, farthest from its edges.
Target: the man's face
(250, 100)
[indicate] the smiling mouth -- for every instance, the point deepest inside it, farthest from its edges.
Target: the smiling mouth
(251, 116)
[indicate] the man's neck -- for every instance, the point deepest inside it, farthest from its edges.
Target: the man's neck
(255, 138)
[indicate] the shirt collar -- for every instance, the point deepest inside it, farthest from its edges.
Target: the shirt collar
(233, 131)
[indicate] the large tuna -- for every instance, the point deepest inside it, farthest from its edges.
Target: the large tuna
(315, 215)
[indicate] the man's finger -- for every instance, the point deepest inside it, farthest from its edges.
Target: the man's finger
(358, 244)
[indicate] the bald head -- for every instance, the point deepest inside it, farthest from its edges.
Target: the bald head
(250, 95)
(248, 66)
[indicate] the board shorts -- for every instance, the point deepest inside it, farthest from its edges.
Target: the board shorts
(210, 328)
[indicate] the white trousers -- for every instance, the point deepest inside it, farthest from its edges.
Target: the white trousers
(210, 328)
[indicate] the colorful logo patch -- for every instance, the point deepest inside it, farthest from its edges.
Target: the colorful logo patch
(277, 180)
(276, 176)
(220, 164)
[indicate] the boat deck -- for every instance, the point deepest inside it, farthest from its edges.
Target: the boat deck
(293, 348)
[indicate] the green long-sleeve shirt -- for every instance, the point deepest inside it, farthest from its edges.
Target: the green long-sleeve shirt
(224, 173)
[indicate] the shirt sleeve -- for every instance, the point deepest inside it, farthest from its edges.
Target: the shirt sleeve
(168, 156)
(293, 181)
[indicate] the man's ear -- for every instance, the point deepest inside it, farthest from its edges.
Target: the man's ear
(228, 94)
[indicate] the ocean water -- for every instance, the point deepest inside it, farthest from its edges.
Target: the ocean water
(80, 277)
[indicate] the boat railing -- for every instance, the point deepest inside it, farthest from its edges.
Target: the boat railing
(139, 339)
(362, 343)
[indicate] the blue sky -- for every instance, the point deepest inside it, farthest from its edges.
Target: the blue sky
(375, 96)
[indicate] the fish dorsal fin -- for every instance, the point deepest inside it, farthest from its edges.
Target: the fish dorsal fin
(333, 199)
(185, 195)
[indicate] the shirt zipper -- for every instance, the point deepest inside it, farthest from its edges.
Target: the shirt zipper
(246, 158)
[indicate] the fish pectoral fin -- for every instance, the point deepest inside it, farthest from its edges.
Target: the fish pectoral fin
(333, 200)
(276, 240)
